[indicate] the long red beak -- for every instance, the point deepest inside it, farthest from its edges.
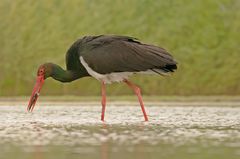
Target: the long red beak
(35, 93)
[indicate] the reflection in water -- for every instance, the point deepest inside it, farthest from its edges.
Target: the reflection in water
(172, 132)
(104, 145)
(37, 153)
(104, 150)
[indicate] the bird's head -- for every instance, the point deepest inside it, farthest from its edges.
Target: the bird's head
(44, 71)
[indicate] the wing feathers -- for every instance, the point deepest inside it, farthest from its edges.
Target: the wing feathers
(125, 54)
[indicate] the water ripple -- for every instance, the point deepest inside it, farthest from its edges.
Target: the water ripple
(81, 125)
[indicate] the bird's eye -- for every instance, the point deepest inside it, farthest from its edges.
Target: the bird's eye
(41, 71)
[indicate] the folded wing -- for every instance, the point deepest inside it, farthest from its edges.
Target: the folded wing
(108, 54)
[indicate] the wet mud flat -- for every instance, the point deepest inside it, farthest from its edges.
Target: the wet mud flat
(75, 131)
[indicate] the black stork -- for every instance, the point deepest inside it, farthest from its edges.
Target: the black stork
(107, 58)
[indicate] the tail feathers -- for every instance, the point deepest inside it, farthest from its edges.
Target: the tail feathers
(170, 68)
(160, 72)
(165, 70)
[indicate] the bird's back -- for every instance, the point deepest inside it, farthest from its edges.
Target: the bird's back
(109, 53)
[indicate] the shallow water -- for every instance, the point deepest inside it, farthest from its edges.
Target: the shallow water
(77, 132)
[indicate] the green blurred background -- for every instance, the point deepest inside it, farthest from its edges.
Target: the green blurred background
(203, 36)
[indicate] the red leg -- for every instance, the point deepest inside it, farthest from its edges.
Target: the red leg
(138, 93)
(103, 100)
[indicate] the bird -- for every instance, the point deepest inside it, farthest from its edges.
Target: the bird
(107, 58)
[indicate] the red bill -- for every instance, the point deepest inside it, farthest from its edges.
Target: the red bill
(35, 93)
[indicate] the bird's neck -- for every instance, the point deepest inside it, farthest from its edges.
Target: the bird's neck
(62, 75)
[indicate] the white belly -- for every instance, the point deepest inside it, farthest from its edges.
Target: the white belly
(106, 78)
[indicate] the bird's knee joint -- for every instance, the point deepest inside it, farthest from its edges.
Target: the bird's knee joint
(137, 90)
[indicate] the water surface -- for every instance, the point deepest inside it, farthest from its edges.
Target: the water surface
(77, 132)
